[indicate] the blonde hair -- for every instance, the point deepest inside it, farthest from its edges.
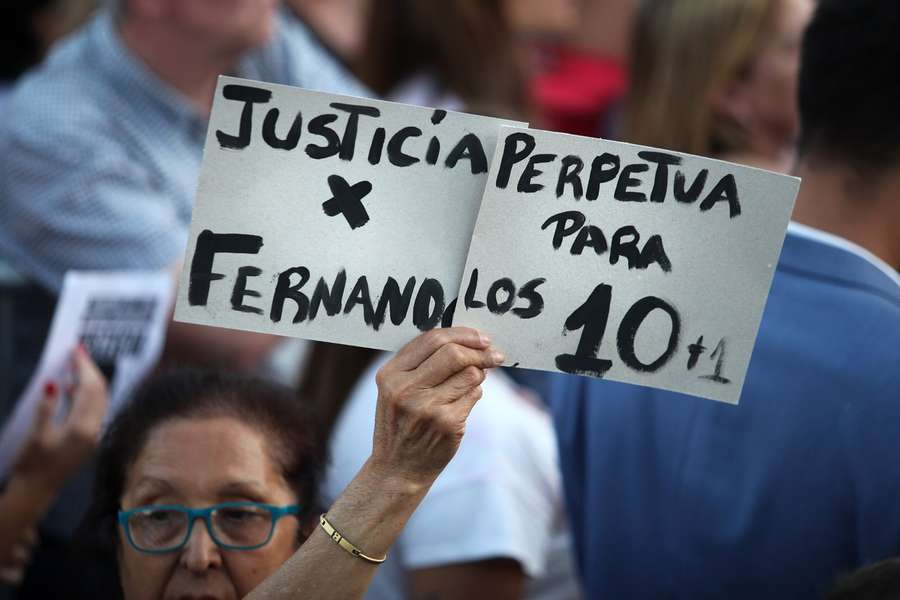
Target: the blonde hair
(684, 52)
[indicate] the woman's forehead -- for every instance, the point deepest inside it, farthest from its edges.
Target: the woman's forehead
(204, 455)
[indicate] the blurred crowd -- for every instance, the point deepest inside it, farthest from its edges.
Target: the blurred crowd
(252, 466)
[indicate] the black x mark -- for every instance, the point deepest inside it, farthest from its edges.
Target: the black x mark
(347, 200)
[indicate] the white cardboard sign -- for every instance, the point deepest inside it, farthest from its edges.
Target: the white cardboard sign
(120, 317)
(625, 262)
(332, 218)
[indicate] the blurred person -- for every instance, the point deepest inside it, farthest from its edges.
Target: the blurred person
(52, 453)
(456, 55)
(109, 183)
(880, 581)
(718, 78)
(101, 164)
(207, 482)
(604, 27)
(679, 497)
(339, 25)
(580, 77)
(27, 32)
(537, 20)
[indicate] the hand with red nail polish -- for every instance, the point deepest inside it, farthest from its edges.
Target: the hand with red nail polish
(53, 451)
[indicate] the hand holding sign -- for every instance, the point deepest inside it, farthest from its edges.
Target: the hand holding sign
(425, 394)
(55, 448)
(54, 451)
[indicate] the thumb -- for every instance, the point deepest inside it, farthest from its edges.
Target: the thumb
(40, 427)
(46, 409)
(90, 397)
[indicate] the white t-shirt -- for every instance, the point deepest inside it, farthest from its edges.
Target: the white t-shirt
(500, 496)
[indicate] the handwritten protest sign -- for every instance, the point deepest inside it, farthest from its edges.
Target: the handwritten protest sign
(624, 262)
(332, 218)
(121, 319)
(349, 220)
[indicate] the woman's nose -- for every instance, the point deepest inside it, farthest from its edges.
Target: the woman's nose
(201, 552)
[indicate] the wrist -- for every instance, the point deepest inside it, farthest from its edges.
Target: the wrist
(375, 506)
(388, 477)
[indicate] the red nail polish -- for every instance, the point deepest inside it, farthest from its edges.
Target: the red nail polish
(50, 388)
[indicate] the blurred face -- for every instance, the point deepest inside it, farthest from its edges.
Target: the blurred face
(197, 463)
(228, 26)
(772, 84)
(541, 18)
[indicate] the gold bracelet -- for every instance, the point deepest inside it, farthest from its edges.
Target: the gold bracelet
(345, 544)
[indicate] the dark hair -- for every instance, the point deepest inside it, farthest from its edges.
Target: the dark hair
(849, 89)
(466, 44)
(880, 581)
(329, 376)
(184, 394)
(20, 46)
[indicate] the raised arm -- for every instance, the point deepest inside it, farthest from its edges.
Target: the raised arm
(425, 394)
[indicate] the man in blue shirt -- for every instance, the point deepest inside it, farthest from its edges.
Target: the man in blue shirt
(676, 497)
(102, 144)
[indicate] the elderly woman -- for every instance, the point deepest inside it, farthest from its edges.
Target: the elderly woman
(207, 483)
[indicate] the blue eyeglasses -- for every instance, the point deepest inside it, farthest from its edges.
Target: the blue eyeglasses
(231, 525)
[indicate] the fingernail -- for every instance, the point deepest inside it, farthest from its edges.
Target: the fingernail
(497, 357)
(50, 388)
(485, 339)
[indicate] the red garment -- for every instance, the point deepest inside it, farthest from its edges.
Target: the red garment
(576, 89)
